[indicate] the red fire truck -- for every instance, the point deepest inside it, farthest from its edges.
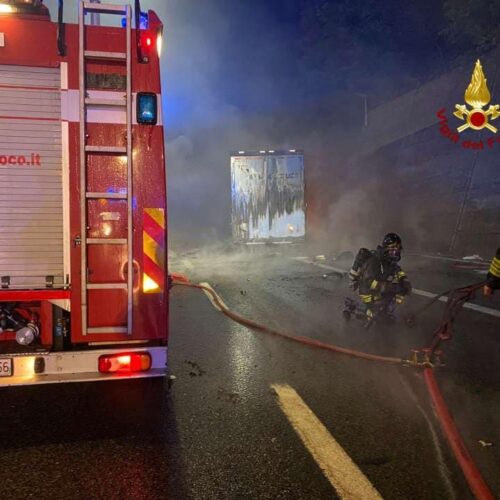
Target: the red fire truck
(83, 266)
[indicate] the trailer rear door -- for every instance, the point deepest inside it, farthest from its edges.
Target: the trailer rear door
(268, 196)
(31, 201)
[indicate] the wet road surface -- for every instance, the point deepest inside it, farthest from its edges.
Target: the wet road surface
(220, 432)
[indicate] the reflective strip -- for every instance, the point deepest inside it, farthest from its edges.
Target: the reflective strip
(401, 275)
(153, 250)
(366, 298)
(495, 267)
(374, 285)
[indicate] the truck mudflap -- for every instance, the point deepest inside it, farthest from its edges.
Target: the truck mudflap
(76, 366)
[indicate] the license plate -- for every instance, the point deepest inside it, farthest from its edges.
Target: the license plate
(5, 367)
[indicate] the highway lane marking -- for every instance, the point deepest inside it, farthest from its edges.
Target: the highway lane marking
(342, 473)
(450, 259)
(416, 291)
(211, 299)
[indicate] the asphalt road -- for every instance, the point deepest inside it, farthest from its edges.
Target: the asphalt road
(221, 431)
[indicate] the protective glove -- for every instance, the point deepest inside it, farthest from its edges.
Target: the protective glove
(493, 282)
(492, 285)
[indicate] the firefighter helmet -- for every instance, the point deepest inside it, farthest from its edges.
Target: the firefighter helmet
(392, 246)
(392, 240)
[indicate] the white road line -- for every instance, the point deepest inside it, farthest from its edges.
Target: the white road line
(449, 259)
(211, 299)
(344, 475)
(416, 291)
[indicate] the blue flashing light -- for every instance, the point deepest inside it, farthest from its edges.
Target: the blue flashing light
(143, 24)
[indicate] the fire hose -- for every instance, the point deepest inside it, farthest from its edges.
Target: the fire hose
(472, 474)
(303, 340)
(456, 300)
(468, 291)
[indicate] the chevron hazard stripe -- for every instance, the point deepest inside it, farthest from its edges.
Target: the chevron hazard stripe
(153, 246)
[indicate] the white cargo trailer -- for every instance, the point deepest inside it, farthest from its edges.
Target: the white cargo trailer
(268, 201)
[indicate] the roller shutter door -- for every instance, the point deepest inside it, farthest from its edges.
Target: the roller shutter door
(31, 208)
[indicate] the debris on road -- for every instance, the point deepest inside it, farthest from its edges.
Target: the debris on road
(170, 381)
(196, 370)
(472, 257)
(485, 444)
(230, 397)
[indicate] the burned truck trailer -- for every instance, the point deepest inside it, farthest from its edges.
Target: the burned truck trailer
(268, 203)
(83, 271)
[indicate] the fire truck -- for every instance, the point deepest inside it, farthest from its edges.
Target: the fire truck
(83, 265)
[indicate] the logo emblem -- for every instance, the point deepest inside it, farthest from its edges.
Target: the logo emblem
(477, 96)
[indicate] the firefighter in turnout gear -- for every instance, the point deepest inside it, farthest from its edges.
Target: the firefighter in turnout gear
(493, 275)
(379, 280)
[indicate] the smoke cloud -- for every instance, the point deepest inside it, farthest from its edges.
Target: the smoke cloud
(346, 82)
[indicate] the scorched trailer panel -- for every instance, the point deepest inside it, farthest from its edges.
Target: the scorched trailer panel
(268, 196)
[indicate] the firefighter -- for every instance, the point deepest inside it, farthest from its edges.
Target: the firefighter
(378, 277)
(493, 275)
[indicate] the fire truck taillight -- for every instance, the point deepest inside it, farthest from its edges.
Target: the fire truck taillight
(125, 362)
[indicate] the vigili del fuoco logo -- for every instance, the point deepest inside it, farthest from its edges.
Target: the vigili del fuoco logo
(477, 96)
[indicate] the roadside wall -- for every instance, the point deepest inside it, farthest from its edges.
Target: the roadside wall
(405, 176)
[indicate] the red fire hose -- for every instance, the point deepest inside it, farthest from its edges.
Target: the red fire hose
(471, 472)
(474, 478)
(302, 340)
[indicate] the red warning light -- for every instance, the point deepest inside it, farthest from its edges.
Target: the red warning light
(145, 46)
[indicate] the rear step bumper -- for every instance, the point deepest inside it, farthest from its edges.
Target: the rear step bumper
(76, 366)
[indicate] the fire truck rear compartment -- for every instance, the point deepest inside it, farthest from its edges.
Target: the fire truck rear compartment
(31, 203)
(31, 194)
